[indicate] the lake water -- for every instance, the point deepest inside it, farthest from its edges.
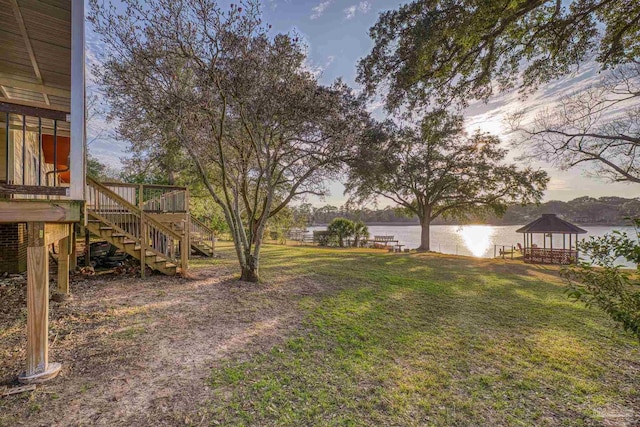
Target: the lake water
(473, 240)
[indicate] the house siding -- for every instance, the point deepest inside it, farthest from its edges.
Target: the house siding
(13, 248)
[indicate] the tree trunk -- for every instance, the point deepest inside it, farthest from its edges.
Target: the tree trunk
(250, 270)
(425, 245)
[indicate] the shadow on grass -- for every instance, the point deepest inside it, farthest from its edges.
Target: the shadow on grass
(436, 340)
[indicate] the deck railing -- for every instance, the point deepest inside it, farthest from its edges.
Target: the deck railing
(550, 256)
(155, 198)
(171, 201)
(25, 171)
(503, 251)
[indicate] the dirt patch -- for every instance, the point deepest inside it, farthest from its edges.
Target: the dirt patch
(138, 351)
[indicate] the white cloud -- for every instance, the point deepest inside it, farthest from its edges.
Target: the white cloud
(318, 69)
(318, 10)
(558, 184)
(273, 4)
(330, 60)
(350, 12)
(362, 7)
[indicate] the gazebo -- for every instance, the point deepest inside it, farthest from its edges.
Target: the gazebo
(544, 252)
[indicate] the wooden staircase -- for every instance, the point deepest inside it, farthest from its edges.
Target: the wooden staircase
(202, 238)
(130, 229)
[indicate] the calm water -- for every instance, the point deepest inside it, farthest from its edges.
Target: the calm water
(473, 240)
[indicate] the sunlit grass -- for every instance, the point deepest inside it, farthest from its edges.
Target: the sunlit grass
(429, 340)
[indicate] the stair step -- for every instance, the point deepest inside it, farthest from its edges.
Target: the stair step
(94, 221)
(106, 228)
(148, 253)
(118, 235)
(129, 242)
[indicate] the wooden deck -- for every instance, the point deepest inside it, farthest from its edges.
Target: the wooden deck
(30, 210)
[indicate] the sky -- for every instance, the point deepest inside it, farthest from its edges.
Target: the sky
(337, 35)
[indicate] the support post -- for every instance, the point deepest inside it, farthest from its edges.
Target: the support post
(73, 260)
(184, 249)
(78, 119)
(143, 231)
(63, 266)
(38, 367)
(87, 247)
(186, 242)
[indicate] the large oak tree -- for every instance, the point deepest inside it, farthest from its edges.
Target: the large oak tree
(257, 126)
(438, 170)
(455, 51)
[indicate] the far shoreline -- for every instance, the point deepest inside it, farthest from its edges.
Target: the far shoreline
(399, 224)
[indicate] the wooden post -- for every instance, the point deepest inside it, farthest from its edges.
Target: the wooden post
(187, 233)
(78, 102)
(184, 248)
(38, 367)
(73, 261)
(87, 248)
(63, 265)
(143, 231)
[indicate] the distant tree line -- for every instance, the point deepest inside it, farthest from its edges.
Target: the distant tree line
(583, 210)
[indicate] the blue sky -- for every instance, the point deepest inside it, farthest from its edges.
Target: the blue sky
(337, 34)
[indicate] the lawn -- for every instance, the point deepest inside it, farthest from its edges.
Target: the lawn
(426, 339)
(331, 337)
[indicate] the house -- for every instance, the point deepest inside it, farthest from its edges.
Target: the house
(44, 190)
(42, 146)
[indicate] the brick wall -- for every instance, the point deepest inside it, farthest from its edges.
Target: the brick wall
(13, 248)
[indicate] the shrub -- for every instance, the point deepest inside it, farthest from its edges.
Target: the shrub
(342, 228)
(360, 232)
(323, 237)
(604, 283)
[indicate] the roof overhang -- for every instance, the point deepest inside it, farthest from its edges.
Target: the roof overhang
(35, 53)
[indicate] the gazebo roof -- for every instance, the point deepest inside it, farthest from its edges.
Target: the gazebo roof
(550, 223)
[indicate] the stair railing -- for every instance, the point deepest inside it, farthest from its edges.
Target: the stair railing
(125, 218)
(200, 233)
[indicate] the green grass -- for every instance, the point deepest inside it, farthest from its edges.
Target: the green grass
(129, 333)
(430, 340)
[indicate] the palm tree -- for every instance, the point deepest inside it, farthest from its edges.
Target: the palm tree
(342, 228)
(360, 231)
